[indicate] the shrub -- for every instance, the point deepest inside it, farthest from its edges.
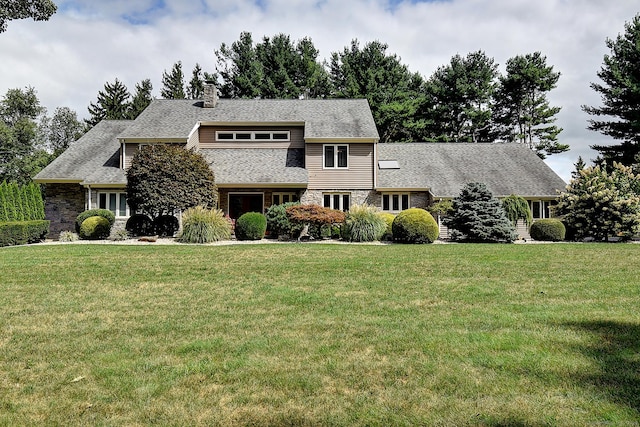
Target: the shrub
(23, 232)
(549, 230)
(120, 235)
(104, 213)
(95, 228)
(363, 224)
(166, 225)
(441, 208)
(415, 225)
(202, 225)
(67, 236)
(388, 219)
(139, 225)
(517, 207)
(251, 226)
(278, 222)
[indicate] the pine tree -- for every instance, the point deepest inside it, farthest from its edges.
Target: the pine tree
(523, 110)
(141, 99)
(173, 83)
(112, 104)
(479, 216)
(196, 84)
(619, 117)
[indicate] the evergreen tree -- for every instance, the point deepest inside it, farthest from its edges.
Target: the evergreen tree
(479, 217)
(195, 90)
(18, 213)
(524, 113)
(173, 83)
(25, 202)
(579, 166)
(619, 116)
(141, 99)
(460, 99)
(239, 68)
(112, 104)
(37, 201)
(4, 209)
(392, 90)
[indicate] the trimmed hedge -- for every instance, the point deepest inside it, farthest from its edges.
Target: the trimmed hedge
(95, 228)
(415, 225)
(251, 226)
(548, 230)
(139, 225)
(104, 213)
(166, 225)
(23, 232)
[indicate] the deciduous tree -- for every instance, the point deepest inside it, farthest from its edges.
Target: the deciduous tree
(164, 178)
(39, 10)
(59, 131)
(602, 204)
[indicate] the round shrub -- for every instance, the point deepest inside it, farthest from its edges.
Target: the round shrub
(166, 225)
(548, 230)
(363, 224)
(202, 225)
(105, 213)
(139, 225)
(278, 222)
(415, 225)
(251, 226)
(95, 228)
(388, 219)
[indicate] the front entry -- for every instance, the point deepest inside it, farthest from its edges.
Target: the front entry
(240, 203)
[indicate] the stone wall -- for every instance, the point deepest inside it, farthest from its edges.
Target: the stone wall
(62, 204)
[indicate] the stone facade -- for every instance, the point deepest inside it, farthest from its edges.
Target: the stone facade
(63, 203)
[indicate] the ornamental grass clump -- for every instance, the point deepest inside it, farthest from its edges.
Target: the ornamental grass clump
(251, 226)
(202, 225)
(364, 224)
(415, 225)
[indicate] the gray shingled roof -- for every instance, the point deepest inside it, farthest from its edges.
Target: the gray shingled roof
(92, 159)
(257, 166)
(445, 168)
(323, 118)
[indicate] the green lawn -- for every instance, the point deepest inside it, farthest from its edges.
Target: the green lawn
(313, 334)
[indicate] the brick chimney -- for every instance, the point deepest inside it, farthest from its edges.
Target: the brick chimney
(210, 94)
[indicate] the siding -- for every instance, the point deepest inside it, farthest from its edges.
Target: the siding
(358, 176)
(208, 137)
(129, 152)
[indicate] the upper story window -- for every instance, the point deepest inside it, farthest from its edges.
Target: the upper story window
(259, 135)
(336, 156)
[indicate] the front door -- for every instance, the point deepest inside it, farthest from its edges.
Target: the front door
(240, 203)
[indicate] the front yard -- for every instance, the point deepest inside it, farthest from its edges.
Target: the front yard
(320, 334)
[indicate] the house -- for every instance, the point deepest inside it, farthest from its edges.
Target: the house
(264, 152)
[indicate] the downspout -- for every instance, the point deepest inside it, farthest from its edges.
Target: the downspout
(88, 197)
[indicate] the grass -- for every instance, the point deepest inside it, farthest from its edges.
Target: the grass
(310, 334)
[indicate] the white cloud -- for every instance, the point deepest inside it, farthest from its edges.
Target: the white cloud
(87, 43)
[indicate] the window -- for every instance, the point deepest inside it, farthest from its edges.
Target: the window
(253, 136)
(335, 156)
(116, 202)
(280, 198)
(540, 209)
(395, 202)
(339, 201)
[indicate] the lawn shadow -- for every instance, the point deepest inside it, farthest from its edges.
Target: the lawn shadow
(616, 349)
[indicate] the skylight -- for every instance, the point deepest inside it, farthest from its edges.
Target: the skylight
(388, 164)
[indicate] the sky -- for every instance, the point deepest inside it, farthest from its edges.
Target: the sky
(87, 43)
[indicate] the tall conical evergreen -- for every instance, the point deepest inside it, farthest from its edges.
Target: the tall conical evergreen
(3, 202)
(16, 214)
(37, 202)
(173, 83)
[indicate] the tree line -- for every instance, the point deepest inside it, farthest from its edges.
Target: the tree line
(465, 100)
